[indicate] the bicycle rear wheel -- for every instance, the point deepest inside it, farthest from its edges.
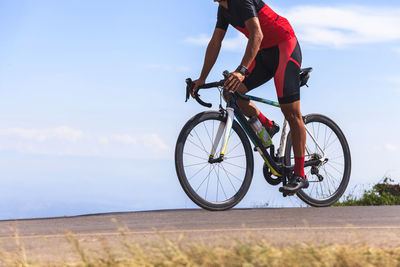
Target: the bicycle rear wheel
(335, 173)
(213, 186)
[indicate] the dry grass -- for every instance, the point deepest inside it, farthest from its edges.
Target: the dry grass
(252, 251)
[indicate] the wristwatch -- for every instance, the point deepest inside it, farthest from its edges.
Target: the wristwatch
(243, 70)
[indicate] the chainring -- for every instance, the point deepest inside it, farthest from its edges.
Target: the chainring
(269, 176)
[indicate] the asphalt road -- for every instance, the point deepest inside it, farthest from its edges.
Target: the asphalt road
(372, 226)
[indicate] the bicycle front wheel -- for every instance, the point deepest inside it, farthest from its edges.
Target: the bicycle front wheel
(328, 181)
(213, 186)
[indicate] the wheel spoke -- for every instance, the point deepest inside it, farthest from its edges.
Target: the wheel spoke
(213, 135)
(234, 157)
(197, 164)
(330, 180)
(204, 148)
(330, 175)
(208, 134)
(334, 141)
(338, 157)
(234, 165)
(234, 188)
(334, 168)
(185, 153)
(240, 142)
(207, 177)
(325, 138)
(198, 146)
(337, 163)
(197, 173)
(327, 141)
(234, 176)
(208, 183)
(219, 181)
(226, 173)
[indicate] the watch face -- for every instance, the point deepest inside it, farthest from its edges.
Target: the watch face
(242, 70)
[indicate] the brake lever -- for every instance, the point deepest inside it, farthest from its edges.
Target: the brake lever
(226, 74)
(189, 87)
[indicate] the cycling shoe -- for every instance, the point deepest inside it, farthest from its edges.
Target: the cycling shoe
(274, 129)
(294, 185)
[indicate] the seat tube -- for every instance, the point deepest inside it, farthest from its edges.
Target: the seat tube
(228, 127)
(282, 146)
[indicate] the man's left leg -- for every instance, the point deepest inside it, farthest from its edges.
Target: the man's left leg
(293, 116)
(287, 82)
(298, 131)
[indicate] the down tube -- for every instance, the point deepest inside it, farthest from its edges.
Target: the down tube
(257, 143)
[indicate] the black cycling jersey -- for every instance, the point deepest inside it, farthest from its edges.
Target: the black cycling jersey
(238, 12)
(275, 28)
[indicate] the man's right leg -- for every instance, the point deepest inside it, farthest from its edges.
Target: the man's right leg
(249, 109)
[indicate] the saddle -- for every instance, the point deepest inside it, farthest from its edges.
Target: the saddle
(304, 76)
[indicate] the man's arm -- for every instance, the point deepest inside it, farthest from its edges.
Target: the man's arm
(213, 48)
(253, 45)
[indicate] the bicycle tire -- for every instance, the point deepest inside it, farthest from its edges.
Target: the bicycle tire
(305, 194)
(200, 118)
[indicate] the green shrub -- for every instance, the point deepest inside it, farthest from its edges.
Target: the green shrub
(382, 194)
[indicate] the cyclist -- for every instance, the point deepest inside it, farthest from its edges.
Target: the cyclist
(272, 51)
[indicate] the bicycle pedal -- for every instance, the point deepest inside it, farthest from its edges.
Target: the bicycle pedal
(285, 193)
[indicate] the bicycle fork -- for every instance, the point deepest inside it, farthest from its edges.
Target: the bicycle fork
(225, 129)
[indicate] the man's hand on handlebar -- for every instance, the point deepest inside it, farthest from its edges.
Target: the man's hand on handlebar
(197, 83)
(234, 81)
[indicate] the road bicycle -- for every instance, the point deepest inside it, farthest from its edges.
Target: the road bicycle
(218, 179)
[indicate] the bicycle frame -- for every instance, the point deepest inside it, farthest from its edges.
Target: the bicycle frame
(285, 132)
(275, 164)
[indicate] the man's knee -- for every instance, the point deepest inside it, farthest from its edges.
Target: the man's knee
(292, 112)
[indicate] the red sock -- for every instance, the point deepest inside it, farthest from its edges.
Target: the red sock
(299, 167)
(265, 122)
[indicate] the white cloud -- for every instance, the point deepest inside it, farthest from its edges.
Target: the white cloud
(391, 147)
(152, 140)
(62, 133)
(201, 40)
(125, 139)
(337, 27)
(345, 25)
(68, 141)
(237, 43)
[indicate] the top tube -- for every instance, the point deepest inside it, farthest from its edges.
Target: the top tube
(262, 100)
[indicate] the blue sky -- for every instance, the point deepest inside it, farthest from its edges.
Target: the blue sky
(92, 96)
